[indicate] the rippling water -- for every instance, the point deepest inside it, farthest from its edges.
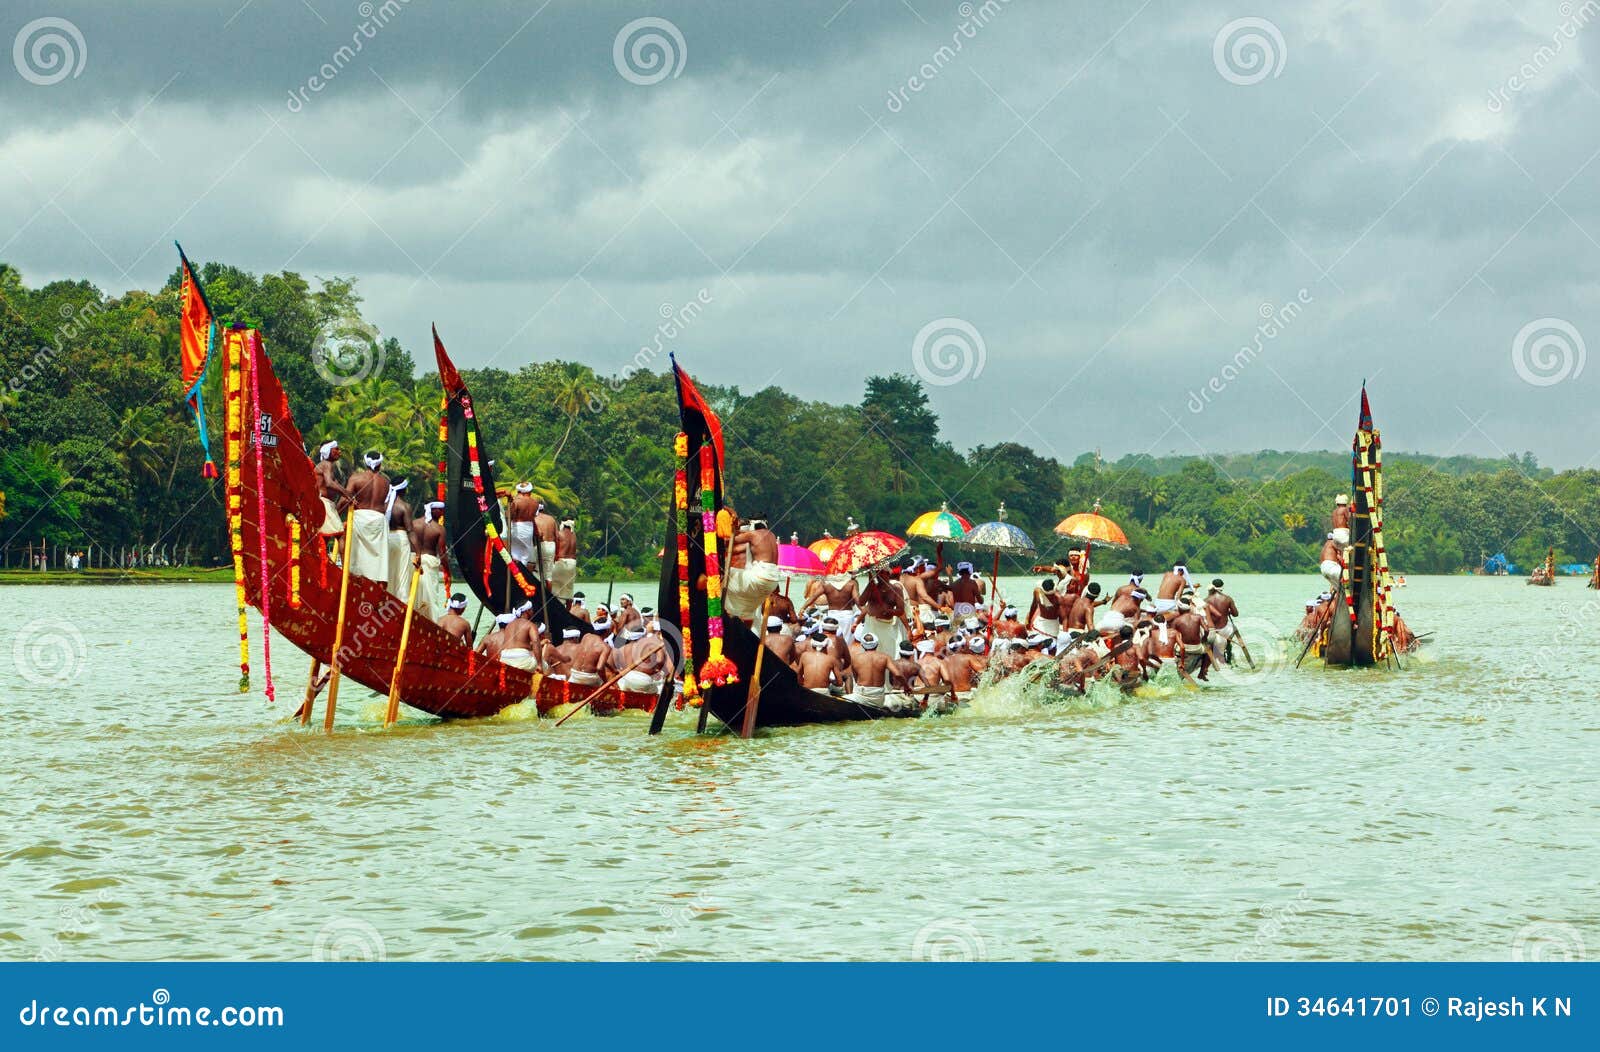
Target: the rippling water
(1450, 810)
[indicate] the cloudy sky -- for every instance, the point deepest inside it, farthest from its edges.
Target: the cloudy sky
(1145, 226)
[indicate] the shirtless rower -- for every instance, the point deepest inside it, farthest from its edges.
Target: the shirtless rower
(333, 492)
(753, 572)
(564, 570)
(912, 585)
(869, 666)
(576, 608)
(781, 644)
(966, 591)
(521, 532)
(428, 539)
(591, 655)
(368, 491)
(782, 607)
(930, 667)
(1191, 648)
(1080, 614)
(883, 610)
(837, 645)
(544, 524)
(398, 542)
(520, 640)
(1340, 525)
(651, 657)
(452, 621)
(818, 668)
(967, 664)
(1135, 584)
(1044, 614)
(490, 645)
(558, 656)
(838, 593)
(1124, 609)
(1173, 582)
(1220, 612)
(626, 615)
(1007, 626)
(903, 670)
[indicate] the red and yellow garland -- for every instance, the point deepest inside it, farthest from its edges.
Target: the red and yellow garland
(717, 671)
(235, 421)
(680, 495)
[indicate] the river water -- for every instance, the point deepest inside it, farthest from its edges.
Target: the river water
(1450, 810)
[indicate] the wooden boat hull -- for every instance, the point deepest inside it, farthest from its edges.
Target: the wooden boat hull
(277, 511)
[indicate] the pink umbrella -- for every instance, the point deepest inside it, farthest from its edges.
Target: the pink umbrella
(798, 559)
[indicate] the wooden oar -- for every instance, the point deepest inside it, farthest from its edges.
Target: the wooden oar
(1311, 637)
(1183, 673)
(752, 696)
(304, 712)
(393, 712)
(602, 687)
(1240, 637)
(1116, 652)
(338, 629)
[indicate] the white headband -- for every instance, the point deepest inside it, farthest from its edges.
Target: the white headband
(457, 604)
(524, 487)
(602, 623)
(374, 460)
(427, 509)
(976, 645)
(326, 450)
(869, 642)
(624, 597)
(504, 619)
(633, 634)
(567, 524)
(570, 633)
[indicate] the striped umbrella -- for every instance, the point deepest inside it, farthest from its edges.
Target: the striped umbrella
(941, 525)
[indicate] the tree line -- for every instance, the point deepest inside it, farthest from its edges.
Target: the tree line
(97, 448)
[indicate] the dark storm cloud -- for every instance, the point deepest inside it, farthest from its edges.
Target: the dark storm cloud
(1083, 185)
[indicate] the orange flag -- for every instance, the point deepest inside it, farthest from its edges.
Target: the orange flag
(197, 334)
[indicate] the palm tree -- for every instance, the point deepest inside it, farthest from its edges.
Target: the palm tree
(571, 396)
(140, 430)
(529, 462)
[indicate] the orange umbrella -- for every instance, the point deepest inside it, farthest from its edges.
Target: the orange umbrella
(865, 552)
(824, 546)
(1093, 527)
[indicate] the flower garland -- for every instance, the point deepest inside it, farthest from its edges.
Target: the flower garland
(1372, 484)
(261, 514)
(718, 671)
(444, 475)
(294, 561)
(493, 544)
(235, 420)
(680, 496)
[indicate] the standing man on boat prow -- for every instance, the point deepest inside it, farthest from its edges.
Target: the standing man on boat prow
(753, 572)
(521, 531)
(427, 537)
(564, 571)
(1341, 520)
(333, 491)
(1333, 564)
(369, 494)
(1220, 612)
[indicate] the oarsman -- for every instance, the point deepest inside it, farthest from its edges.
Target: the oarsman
(911, 582)
(930, 668)
(1333, 564)
(1080, 614)
(576, 608)
(1173, 581)
(333, 492)
(603, 626)
(1404, 641)
(644, 655)
(1163, 642)
(521, 531)
(452, 621)
(782, 607)
(1308, 623)
(818, 668)
(558, 656)
(564, 570)
(753, 572)
(903, 670)
(966, 592)
(838, 594)
(398, 542)
(590, 658)
(779, 642)
(627, 616)
(545, 524)
(1341, 520)
(1044, 614)
(491, 645)
(967, 664)
(520, 640)
(837, 645)
(1190, 628)
(1124, 610)
(883, 611)
(369, 494)
(1220, 612)
(869, 666)
(1135, 584)
(427, 537)
(1008, 627)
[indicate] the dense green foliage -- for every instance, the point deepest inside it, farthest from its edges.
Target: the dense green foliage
(95, 447)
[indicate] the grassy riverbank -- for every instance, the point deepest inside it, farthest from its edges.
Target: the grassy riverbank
(143, 575)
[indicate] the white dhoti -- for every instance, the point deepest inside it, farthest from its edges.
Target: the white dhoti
(747, 587)
(1164, 605)
(637, 682)
(547, 556)
(369, 545)
(863, 692)
(397, 547)
(430, 589)
(564, 577)
(1333, 572)
(1341, 536)
(888, 633)
(1047, 626)
(582, 678)
(1112, 621)
(519, 538)
(331, 522)
(1218, 638)
(519, 657)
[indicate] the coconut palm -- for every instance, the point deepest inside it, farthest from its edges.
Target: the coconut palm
(529, 462)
